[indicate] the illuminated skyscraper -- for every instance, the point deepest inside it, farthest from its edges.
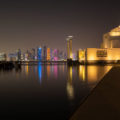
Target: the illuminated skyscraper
(19, 54)
(33, 53)
(28, 55)
(48, 54)
(25, 56)
(69, 47)
(55, 55)
(61, 55)
(13, 56)
(51, 54)
(39, 54)
(65, 56)
(44, 53)
(3, 57)
(70, 89)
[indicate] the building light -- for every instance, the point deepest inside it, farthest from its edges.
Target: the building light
(81, 55)
(69, 47)
(40, 72)
(39, 54)
(114, 33)
(109, 58)
(48, 54)
(91, 57)
(82, 72)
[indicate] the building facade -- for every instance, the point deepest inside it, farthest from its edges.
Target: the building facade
(108, 53)
(69, 47)
(39, 54)
(111, 39)
(44, 53)
(48, 54)
(3, 57)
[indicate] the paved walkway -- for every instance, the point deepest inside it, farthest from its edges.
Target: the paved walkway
(104, 102)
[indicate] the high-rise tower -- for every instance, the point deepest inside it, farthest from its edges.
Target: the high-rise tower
(19, 54)
(69, 47)
(39, 53)
(44, 53)
(48, 54)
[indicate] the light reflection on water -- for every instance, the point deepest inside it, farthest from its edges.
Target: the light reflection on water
(55, 71)
(60, 87)
(27, 69)
(81, 72)
(40, 72)
(90, 75)
(70, 89)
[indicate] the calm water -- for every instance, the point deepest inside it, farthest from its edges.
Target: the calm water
(53, 91)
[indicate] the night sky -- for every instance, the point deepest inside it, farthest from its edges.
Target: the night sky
(27, 24)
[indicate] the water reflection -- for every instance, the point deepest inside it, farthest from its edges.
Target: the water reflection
(26, 69)
(63, 68)
(56, 71)
(92, 73)
(48, 71)
(82, 72)
(70, 89)
(89, 75)
(66, 88)
(40, 72)
(96, 73)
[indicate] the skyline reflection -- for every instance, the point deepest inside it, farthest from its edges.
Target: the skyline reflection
(48, 71)
(27, 69)
(70, 89)
(56, 71)
(84, 74)
(55, 89)
(92, 73)
(89, 74)
(40, 72)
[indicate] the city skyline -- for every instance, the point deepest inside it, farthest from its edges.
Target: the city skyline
(60, 59)
(50, 22)
(108, 51)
